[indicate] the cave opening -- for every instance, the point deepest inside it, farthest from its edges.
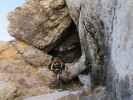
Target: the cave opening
(68, 47)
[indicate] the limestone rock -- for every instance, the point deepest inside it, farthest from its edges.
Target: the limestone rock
(105, 30)
(74, 7)
(39, 22)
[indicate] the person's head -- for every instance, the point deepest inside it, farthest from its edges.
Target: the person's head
(56, 60)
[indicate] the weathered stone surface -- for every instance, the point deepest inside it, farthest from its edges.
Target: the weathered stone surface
(48, 77)
(45, 24)
(74, 9)
(39, 22)
(32, 55)
(16, 50)
(7, 91)
(105, 30)
(24, 68)
(91, 38)
(122, 51)
(65, 95)
(98, 94)
(85, 79)
(105, 33)
(22, 72)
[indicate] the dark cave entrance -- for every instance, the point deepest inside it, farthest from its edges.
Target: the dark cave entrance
(68, 47)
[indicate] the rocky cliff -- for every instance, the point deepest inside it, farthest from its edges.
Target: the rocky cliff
(90, 40)
(42, 30)
(24, 72)
(105, 31)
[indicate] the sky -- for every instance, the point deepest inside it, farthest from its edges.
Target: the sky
(5, 7)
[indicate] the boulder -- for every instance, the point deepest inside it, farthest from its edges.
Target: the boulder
(15, 50)
(20, 69)
(25, 69)
(31, 54)
(40, 22)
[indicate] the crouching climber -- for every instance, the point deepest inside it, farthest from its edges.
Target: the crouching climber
(58, 67)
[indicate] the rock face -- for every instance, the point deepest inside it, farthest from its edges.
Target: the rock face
(19, 50)
(105, 30)
(24, 71)
(7, 91)
(20, 71)
(46, 24)
(66, 95)
(46, 30)
(91, 37)
(105, 37)
(40, 22)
